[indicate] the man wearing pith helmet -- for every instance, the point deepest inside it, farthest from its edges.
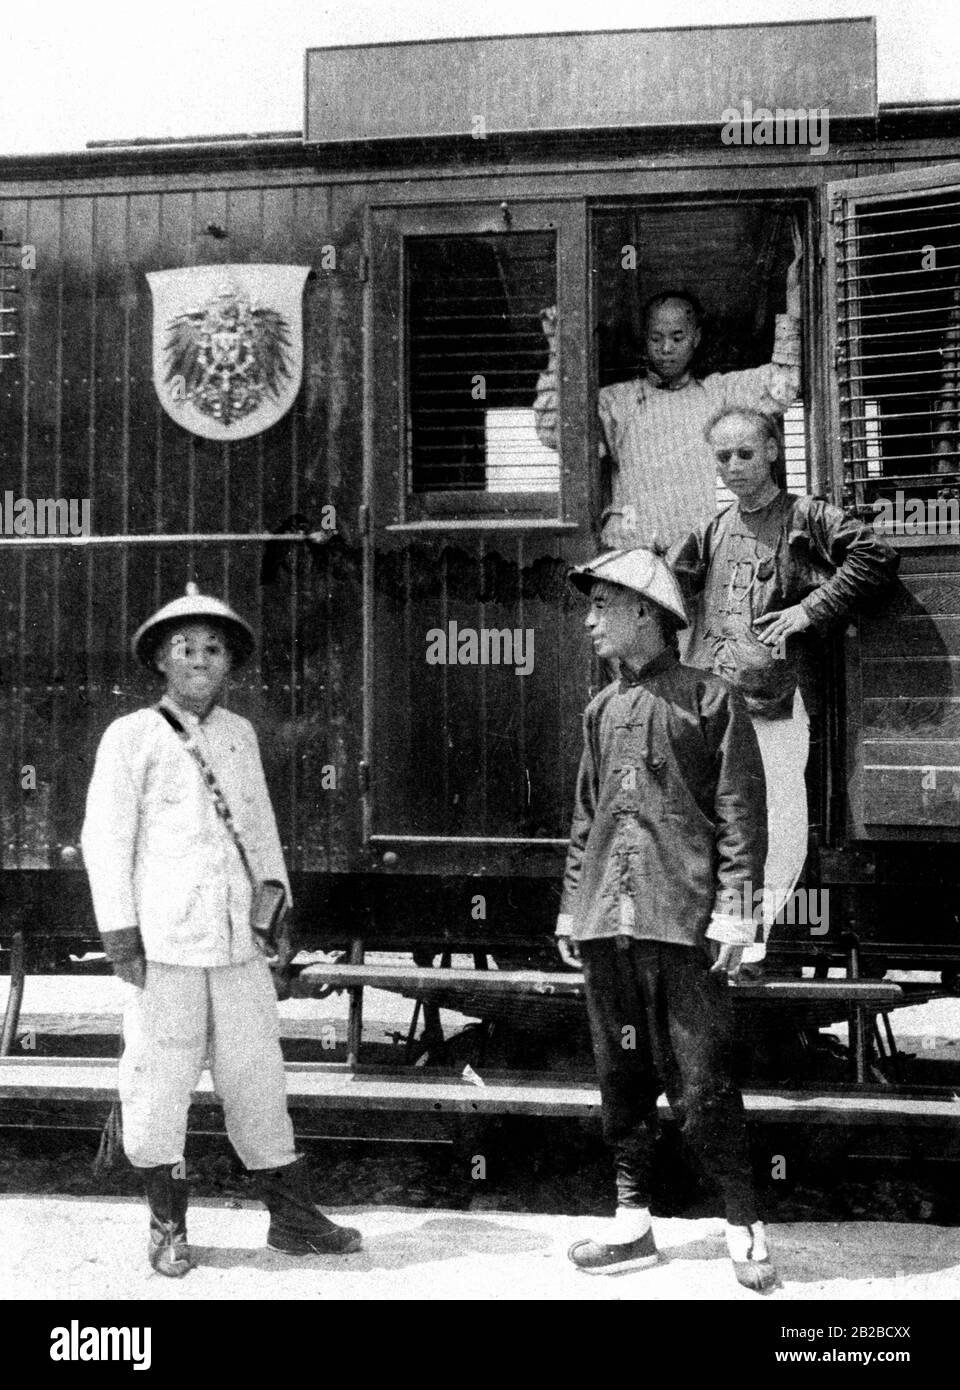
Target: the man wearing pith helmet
(667, 843)
(172, 899)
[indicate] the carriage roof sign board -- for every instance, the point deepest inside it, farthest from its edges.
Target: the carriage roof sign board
(588, 81)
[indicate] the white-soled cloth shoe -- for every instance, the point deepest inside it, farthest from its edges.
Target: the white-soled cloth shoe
(593, 1257)
(747, 1246)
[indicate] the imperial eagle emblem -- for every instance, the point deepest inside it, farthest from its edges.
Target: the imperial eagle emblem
(228, 345)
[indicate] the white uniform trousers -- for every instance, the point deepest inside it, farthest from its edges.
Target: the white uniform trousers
(784, 748)
(186, 1015)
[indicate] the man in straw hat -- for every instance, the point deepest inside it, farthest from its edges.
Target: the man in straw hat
(172, 899)
(669, 827)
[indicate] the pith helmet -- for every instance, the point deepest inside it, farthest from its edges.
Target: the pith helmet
(640, 570)
(199, 607)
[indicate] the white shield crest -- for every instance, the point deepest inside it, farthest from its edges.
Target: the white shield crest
(228, 345)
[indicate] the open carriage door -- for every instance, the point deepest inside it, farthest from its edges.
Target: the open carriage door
(475, 669)
(894, 325)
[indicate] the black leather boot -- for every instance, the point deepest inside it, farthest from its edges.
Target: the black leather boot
(297, 1227)
(167, 1199)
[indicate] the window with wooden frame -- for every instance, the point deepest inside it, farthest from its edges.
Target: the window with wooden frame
(465, 433)
(475, 349)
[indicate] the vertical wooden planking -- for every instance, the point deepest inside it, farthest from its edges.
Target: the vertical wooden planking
(504, 753)
(71, 674)
(522, 693)
(208, 462)
(575, 689)
(175, 510)
(411, 757)
(139, 427)
(206, 459)
(329, 473)
(542, 582)
(13, 841)
(39, 619)
(459, 740)
(109, 453)
(231, 478)
(256, 493)
(340, 441)
(902, 704)
(289, 220)
(324, 700)
(482, 701)
(280, 241)
(14, 219)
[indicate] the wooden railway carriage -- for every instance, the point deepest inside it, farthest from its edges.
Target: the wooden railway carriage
(424, 804)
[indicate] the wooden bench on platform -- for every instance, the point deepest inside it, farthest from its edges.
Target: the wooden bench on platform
(482, 986)
(487, 994)
(530, 996)
(324, 1086)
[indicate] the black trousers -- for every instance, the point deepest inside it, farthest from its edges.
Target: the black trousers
(661, 1022)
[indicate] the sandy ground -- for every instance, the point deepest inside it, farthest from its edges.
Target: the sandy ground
(72, 1248)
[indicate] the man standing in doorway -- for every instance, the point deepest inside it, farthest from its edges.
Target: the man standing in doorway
(663, 477)
(762, 581)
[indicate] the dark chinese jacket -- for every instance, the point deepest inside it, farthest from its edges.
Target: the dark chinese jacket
(670, 820)
(807, 552)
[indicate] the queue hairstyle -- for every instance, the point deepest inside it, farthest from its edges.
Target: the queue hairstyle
(769, 427)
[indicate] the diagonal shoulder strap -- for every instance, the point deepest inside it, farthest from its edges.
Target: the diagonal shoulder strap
(211, 784)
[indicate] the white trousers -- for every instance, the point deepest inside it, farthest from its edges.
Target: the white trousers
(784, 748)
(186, 1016)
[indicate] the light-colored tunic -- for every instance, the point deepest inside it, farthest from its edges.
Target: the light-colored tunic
(157, 855)
(663, 467)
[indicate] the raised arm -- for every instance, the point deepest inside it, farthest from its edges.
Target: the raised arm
(775, 386)
(545, 401)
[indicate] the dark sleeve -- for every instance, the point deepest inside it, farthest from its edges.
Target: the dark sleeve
(689, 562)
(584, 810)
(740, 806)
(865, 565)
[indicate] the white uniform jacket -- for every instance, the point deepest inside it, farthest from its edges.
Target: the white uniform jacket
(158, 856)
